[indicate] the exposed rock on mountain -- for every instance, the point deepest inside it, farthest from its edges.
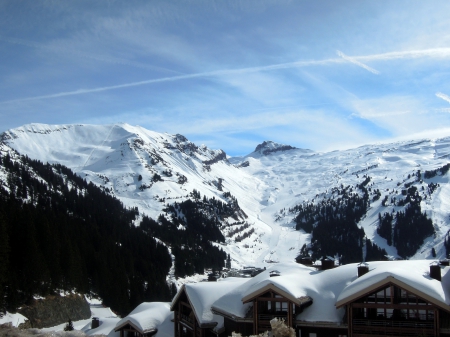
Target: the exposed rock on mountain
(281, 189)
(55, 310)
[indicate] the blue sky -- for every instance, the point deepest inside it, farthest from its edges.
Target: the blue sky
(322, 75)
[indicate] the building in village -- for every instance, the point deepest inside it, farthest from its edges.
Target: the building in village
(147, 319)
(394, 298)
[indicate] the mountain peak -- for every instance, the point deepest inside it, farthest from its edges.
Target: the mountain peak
(269, 146)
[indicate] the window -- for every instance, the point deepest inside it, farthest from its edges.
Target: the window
(281, 306)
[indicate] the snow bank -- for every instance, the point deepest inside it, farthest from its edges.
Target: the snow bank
(14, 319)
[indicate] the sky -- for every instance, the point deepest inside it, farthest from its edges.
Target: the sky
(322, 75)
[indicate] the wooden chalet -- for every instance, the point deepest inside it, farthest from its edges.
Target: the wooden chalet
(272, 302)
(129, 329)
(144, 320)
(192, 309)
(392, 307)
(392, 298)
(186, 322)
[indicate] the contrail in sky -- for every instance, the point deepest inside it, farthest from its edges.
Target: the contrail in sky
(75, 52)
(180, 77)
(435, 53)
(443, 96)
(354, 61)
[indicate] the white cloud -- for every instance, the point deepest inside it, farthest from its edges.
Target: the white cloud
(399, 115)
(443, 96)
(359, 64)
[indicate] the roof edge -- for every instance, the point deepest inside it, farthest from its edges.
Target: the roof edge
(282, 292)
(135, 327)
(401, 284)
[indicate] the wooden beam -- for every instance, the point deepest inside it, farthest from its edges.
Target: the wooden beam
(393, 306)
(350, 319)
(436, 323)
(185, 304)
(290, 318)
(272, 299)
(255, 317)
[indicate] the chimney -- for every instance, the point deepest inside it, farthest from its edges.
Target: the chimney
(274, 273)
(435, 271)
(305, 260)
(444, 262)
(363, 268)
(95, 323)
(327, 263)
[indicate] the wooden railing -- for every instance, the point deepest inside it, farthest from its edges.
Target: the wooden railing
(269, 317)
(390, 327)
(187, 319)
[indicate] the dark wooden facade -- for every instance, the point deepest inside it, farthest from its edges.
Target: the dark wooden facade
(129, 330)
(186, 323)
(266, 304)
(387, 307)
(395, 309)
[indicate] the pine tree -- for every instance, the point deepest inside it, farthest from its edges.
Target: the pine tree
(4, 252)
(228, 264)
(69, 326)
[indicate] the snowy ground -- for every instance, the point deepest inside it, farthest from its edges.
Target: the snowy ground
(108, 321)
(113, 157)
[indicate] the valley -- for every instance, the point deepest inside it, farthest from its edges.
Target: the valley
(151, 171)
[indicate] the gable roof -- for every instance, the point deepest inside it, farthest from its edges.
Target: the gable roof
(272, 287)
(202, 295)
(411, 275)
(146, 317)
(297, 283)
(331, 289)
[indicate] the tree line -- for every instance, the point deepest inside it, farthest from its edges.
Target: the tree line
(333, 224)
(58, 232)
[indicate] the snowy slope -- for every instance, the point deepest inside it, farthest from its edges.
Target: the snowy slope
(296, 176)
(266, 183)
(126, 159)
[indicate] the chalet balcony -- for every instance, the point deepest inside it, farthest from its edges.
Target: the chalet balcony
(269, 317)
(367, 327)
(187, 320)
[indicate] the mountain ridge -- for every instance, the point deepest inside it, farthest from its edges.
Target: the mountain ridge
(150, 170)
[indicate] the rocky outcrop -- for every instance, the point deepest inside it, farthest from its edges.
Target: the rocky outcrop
(268, 147)
(55, 310)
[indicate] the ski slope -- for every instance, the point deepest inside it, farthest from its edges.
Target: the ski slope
(268, 182)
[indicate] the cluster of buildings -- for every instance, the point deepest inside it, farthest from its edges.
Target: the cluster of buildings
(393, 298)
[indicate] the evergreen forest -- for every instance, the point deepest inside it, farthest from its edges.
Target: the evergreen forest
(58, 232)
(406, 230)
(190, 227)
(333, 224)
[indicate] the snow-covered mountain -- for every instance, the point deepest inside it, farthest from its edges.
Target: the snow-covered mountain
(151, 170)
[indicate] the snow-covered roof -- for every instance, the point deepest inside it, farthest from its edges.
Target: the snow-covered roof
(106, 327)
(203, 294)
(146, 317)
(297, 282)
(330, 289)
(412, 275)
